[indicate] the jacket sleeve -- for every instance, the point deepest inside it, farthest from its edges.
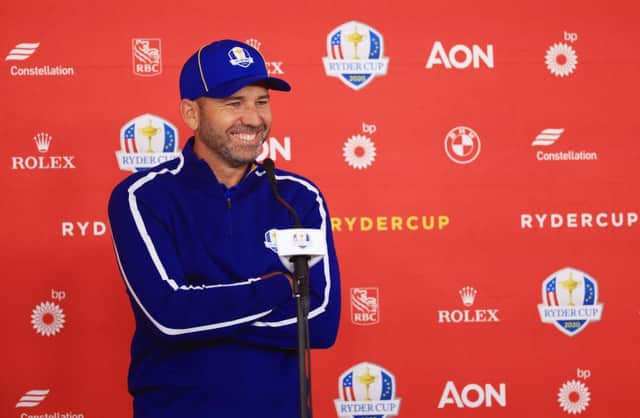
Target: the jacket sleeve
(155, 280)
(279, 328)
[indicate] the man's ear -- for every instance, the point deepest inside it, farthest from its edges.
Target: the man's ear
(190, 112)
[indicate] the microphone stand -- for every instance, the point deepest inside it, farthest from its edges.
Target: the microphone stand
(301, 293)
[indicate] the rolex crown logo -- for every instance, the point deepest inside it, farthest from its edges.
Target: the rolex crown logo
(43, 140)
(468, 295)
(254, 43)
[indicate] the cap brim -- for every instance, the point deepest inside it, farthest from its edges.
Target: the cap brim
(227, 89)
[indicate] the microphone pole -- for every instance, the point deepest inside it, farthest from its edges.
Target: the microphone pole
(301, 293)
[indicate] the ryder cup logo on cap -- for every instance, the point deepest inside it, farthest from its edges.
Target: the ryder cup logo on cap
(145, 142)
(223, 67)
(367, 390)
(570, 301)
(240, 56)
(355, 54)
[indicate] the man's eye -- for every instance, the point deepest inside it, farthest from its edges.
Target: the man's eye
(234, 104)
(262, 102)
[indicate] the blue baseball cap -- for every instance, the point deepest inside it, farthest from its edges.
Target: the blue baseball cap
(223, 67)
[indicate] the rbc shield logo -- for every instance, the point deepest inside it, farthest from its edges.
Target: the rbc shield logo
(355, 54)
(147, 56)
(145, 142)
(570, 301)
(365, 306)
(367, 391)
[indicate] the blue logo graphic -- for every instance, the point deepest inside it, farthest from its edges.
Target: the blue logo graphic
(570, 301)
(240, 56)
(355, 54)
(145, 142)
(367, 391)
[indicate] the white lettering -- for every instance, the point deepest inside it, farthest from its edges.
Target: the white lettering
(83, 227)
(67, 229)
(481, 395)
(99, 228)
(460, 56)
(437, 56)
(450, 396)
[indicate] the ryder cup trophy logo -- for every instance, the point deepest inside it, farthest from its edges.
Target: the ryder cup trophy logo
(570, 301)
(145, 142)
(355, 54)
(367, 391)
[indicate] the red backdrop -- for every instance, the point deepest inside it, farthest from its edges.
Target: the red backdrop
(478, 149)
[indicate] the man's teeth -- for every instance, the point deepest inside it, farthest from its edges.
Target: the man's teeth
(246, 137)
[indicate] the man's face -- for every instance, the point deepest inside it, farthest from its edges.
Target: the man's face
(235, 127)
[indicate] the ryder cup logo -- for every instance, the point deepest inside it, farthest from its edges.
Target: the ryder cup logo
(570, 301)
(145, 142)
(301, 239)
(367, 391)
(355, 54)
(240, 57)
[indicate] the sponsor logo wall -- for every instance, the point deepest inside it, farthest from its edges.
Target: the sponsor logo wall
(480, 167)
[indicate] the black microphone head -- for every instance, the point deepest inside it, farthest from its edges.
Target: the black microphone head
(268, 164)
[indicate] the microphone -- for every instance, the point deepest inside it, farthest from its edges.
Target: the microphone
(298, 257)
(269, 167)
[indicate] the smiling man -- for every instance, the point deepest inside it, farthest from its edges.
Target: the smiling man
(215, 317)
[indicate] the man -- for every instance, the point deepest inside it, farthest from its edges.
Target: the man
(215, 318)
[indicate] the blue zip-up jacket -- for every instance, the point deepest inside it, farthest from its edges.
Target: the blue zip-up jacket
(212, 338)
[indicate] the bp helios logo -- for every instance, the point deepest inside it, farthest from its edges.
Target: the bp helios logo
(574, 395)
(561, 59)
(359, 151)
(48, 318)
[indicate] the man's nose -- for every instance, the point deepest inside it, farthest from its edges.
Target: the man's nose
(251, 116)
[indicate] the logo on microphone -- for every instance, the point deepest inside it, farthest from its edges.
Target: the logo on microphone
(365, 306)
(301, 239)
(367, 390)
(570, 301)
